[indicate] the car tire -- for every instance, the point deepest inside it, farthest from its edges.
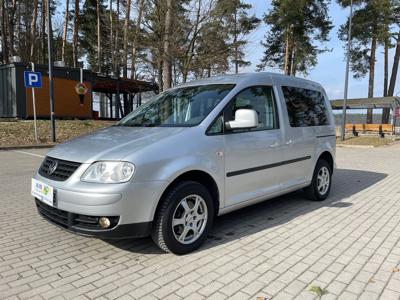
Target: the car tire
(184, 218)
(321, 182)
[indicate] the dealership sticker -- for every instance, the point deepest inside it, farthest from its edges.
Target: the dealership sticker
(42, 191)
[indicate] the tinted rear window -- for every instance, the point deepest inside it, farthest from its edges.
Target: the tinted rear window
(305, 107)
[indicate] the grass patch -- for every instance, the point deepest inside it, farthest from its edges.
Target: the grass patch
(318, 291)
(22, 132)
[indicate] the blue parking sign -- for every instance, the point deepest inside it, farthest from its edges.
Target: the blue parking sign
(32, 79)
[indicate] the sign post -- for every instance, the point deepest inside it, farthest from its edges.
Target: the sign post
(33, 80)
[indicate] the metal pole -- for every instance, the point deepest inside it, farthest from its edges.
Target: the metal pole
(50, 61)
(346, 81)
(34, 108)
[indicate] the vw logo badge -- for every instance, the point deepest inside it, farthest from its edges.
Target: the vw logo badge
(52, 167)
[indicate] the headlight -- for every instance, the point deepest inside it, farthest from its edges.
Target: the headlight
(109, 172)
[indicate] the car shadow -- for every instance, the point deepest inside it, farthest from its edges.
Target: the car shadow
(271, 213)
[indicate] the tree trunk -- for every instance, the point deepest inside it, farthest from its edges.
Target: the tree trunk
(286, 68)
(64, 40)
(371, 78)
(184, 76)
(395, 67)
(167, 76)
(116, 57)
(160, 73)
(99, 57)
(4, 45)
(136, 37)
(293, 61)
(112, 35)
(33, 30)
(386, 111)
(75, 35)
(235, 43)
(11, 24)
(19, 48)
(175, 72)
(126, 27)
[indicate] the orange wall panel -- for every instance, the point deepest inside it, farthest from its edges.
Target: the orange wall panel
(66, 100)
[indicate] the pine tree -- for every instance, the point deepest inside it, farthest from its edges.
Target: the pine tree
(75, 35)
(93, 28)
(296, 26)
(368, 31)
(238, 24)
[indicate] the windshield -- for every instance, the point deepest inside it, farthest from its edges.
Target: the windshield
(186, 106)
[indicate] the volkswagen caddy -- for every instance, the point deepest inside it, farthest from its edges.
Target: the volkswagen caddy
(191, 153)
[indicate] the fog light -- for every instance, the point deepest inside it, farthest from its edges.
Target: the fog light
(104, 222)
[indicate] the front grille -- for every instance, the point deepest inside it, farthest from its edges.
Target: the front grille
(63, 170)
(71, 220)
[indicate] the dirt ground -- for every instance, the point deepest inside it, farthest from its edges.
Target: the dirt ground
(374, 141)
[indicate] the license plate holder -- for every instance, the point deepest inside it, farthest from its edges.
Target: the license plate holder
(42, 191)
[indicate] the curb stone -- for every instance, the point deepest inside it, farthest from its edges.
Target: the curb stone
(17, 147)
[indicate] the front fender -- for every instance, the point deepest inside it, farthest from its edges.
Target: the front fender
(172, 170)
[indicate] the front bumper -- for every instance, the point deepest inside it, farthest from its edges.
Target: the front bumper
(131, 205)
(88, 225)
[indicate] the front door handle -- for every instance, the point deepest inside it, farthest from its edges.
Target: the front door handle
(274, 145)
(289, 142)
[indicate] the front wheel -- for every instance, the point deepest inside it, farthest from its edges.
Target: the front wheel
(320, 185)
(184, 218)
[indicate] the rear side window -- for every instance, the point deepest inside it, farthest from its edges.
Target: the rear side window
(305, 107)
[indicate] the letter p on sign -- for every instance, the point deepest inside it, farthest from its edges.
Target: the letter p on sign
(33, 79)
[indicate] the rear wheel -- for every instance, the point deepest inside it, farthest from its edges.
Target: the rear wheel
(320, 185)
(184, 218)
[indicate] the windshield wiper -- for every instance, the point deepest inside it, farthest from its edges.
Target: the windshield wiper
(138, 125)
(131, 125)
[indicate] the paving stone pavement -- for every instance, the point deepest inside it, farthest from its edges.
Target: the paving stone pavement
(348, 245)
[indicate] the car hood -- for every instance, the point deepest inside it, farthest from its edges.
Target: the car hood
(112, 143)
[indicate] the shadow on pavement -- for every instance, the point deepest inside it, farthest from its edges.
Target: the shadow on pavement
(271, 213)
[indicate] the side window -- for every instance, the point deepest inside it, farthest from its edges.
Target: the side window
(305, 107)
(217, 126)
(260, 99)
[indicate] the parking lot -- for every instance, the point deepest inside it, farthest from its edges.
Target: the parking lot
(348, 245)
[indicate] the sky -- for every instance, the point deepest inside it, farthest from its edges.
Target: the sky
(330, 70)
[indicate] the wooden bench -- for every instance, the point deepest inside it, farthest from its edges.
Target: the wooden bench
(387, 128)
(381, 129)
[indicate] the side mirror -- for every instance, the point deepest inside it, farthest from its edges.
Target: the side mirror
(244, 119)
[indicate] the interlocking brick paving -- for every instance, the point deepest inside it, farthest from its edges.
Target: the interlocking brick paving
(348, 245)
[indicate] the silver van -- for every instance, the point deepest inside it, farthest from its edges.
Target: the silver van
(192, 153)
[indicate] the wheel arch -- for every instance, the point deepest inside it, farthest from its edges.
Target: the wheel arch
(199, 176)
(328, 157)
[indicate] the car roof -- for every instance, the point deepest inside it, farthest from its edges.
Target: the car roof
(249, 77)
